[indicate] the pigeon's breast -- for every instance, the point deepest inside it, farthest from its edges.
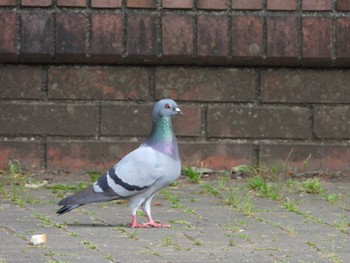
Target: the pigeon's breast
(170, 167)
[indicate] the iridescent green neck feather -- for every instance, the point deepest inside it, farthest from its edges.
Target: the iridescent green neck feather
(162, 137)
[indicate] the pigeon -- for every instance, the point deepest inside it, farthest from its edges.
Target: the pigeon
(139, 175)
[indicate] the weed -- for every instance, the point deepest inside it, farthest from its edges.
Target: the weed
(44, 219)
(187, 211)
(193, 200)
(243, 236)
(140, 213)
(49, 253)
(167, 241)
(180, 222)
(58, 225)
(334, 258)
(151, 252)
(88, 244)
(252, 171)
(241, 203)
(193, 175)
(290, 205)
(333, 198)
(312, 186)
(289, 229)
(223, 181)
(342, 224)
(72, 234)
(210, 189)
(264, 189)
(175, 202)
(94, 176)
(132, 235)
(245, 169)
(198, 242)
(237, 227)
(109, 257)
(291, 183)
(15, 178)
(261, 220)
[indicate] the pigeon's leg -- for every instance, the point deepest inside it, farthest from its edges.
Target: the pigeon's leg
(134, 204)
(146, 206)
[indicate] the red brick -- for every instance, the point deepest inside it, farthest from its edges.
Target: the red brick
(316, 41)
(247, 34)
(181, 4)
(48, 119)
(332, 122)
(86, 155)
(141, 3)
(316, 157)
(70, 37)
(26, 153)
(7, 36)
(8, 2)
(343, 5)
(258, 122)
(282, 5)
(177, 38)
(190, 123)
(36, 36)
(210, 4)
(89, 155)
(106, 38)
(106, 3)
(212, 38)
(20, 82)
(98, 83)
(205, 84)
(215, 155)
(131, 120)
(343, 41)
(247, 4)
(282, 40)
(305, 86)
(78, 3)
(317, 5)
(135, 120)
(43, 3)
(141, 37)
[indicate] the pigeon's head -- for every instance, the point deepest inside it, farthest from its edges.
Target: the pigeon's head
(165, 108)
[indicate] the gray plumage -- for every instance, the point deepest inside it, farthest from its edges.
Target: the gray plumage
(141, 173)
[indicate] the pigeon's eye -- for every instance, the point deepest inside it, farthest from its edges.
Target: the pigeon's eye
(167, 106)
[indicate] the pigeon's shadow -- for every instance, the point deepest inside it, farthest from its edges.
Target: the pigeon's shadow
(97, 225)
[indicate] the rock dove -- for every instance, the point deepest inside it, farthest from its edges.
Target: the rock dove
(141, 173)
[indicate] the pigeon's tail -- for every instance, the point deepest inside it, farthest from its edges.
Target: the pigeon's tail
(66, 209)
(86, 196)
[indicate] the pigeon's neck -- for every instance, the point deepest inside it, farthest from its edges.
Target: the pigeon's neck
(162, 137)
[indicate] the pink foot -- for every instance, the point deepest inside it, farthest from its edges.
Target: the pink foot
(138, 225)
(156, 225)
(148, 224)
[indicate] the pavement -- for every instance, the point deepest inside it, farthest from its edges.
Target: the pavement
(212, 221)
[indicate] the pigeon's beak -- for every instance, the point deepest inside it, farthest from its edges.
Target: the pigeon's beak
(179, 112)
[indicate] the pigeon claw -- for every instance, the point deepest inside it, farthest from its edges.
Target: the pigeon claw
(148, 224)
(156, 225)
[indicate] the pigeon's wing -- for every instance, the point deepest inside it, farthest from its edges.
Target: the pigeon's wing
(83, 197)
(135, 173)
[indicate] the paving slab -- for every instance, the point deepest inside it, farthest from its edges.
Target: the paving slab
(205, 228)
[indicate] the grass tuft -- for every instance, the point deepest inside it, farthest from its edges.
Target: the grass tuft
(312, 186)
(264, 189)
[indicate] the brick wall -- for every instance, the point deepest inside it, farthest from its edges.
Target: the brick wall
(258, 81)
